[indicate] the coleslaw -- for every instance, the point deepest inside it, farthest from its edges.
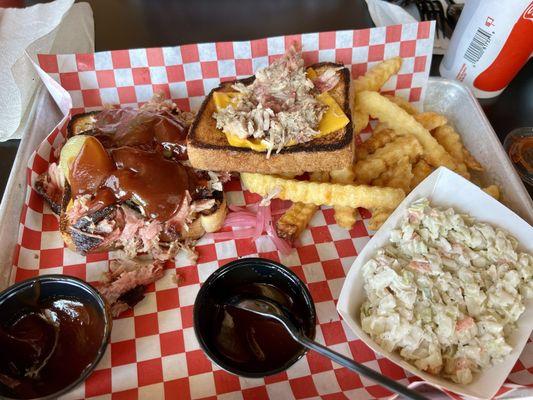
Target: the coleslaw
(446, 292)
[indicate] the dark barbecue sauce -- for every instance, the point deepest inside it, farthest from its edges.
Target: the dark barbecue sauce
(254, 342)
(156, 183)
(140, 161)
(47, 347)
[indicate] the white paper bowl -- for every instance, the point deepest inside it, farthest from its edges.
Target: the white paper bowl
(444, 188)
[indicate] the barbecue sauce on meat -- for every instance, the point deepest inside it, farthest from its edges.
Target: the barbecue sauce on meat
(150, 132)
(47, 347)
(90, 169)
(157, 184)
(139, 164)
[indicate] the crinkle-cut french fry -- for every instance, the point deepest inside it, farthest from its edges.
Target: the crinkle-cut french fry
(329, 194)
(379, 216)
(403, 103)
(399, 176)
(319, 176)
(376, 76)
(345, 175)
(421, 169)
(375, 164)
(361, 153)
(470, 161)
(463, 170)
(344, 216)
(359, 121)
(431, 120)
(287, 175)
(293, 222)
(368, 170)
(399, 120)
(493, 190)
(380, 126)
(451, 141)
(378, 139)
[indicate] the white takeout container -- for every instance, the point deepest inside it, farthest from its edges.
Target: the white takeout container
(444, 188)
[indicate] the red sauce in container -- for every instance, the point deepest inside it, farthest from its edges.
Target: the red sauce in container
(253, 342)
(48, 346)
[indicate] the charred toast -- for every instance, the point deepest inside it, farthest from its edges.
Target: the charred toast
(209, 148)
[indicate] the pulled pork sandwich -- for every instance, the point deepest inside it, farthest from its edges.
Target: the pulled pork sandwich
(123, 182)
(287, 118)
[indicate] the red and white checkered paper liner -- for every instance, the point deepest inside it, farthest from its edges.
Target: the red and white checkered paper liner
(153, 351)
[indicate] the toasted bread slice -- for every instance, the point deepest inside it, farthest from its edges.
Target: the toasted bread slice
(209, 149)
(83, 123)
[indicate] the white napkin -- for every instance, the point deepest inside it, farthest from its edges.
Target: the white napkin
(57, 27)
(384, 13)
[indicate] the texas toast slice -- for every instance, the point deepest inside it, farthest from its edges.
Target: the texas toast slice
(209, 149)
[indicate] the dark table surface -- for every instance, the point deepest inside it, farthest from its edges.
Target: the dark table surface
(122, 24)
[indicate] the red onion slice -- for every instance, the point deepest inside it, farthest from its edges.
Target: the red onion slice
(250, 225)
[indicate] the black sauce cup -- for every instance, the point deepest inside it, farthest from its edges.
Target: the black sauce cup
(16, 298)
(225, 283)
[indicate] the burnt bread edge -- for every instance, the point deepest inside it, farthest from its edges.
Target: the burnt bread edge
(302, 147)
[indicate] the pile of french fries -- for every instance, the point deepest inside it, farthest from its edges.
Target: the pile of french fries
(405, 147)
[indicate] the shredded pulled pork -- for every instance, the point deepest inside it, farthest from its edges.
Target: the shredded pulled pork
(51, 185)
(183, 217)
(105, 226)
(328, 80)
(217, 179)
(159, 103)
(79, 208)
(57, 178)
(279, 107)
(202, 205)
(124, 285)
(140, 236)
(119, 120)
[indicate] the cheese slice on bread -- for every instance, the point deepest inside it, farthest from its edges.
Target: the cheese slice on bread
(213, 149)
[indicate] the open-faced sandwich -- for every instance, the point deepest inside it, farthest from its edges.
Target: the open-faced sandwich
(123, 182)
(286, 118)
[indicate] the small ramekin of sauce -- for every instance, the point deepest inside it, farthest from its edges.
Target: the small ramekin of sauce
(241, 342)
(54, 330)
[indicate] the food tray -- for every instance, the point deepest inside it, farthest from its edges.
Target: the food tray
(459, 105)
(153, 351)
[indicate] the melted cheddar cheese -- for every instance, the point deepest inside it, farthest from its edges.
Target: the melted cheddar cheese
(333, 119)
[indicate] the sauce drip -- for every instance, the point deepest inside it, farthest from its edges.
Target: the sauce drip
(253, 342)
(137, 161)
(47, 347)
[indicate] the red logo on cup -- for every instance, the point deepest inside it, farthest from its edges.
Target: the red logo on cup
(528, 14)
(489, 21)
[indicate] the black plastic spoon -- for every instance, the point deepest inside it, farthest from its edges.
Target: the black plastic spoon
(269, 309)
